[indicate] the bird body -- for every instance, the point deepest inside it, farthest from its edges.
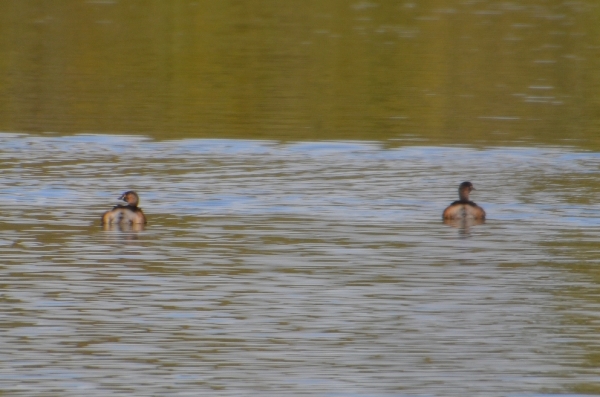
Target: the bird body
(128, 214)
(464, 208)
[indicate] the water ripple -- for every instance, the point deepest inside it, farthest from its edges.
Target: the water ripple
(318, 268)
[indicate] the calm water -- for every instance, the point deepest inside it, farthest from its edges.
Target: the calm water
(296, 269)
(466, 72)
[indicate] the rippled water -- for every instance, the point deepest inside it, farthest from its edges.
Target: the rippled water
(296, 269)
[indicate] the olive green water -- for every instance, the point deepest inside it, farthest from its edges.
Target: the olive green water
(460, 72)
(293, 160)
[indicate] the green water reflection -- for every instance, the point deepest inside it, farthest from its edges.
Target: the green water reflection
(470, 72)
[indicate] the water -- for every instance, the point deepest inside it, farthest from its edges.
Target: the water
(305, 255)
(296, 269)
(461, 73)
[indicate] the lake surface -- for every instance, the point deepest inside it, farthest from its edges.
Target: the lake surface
(296, 269)
(294, 160)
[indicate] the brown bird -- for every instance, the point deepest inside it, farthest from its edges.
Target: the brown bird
(128, 214)
(464, 208)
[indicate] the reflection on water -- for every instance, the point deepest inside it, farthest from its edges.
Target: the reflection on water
(464, 224)
(124, 227)
(469, 72)
(296, 269)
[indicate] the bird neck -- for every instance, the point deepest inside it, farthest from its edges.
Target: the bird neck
(463, 195)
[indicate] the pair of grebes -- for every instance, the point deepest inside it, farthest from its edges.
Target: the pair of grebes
(463, 208)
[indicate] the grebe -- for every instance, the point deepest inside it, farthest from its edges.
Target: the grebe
(129, 213)
(464, 208)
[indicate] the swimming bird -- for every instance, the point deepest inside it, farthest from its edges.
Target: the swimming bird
(464, 208)
(128, 214)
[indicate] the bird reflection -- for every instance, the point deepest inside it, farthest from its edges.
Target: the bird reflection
(464, 225)
(124, 231)
(124, 227)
